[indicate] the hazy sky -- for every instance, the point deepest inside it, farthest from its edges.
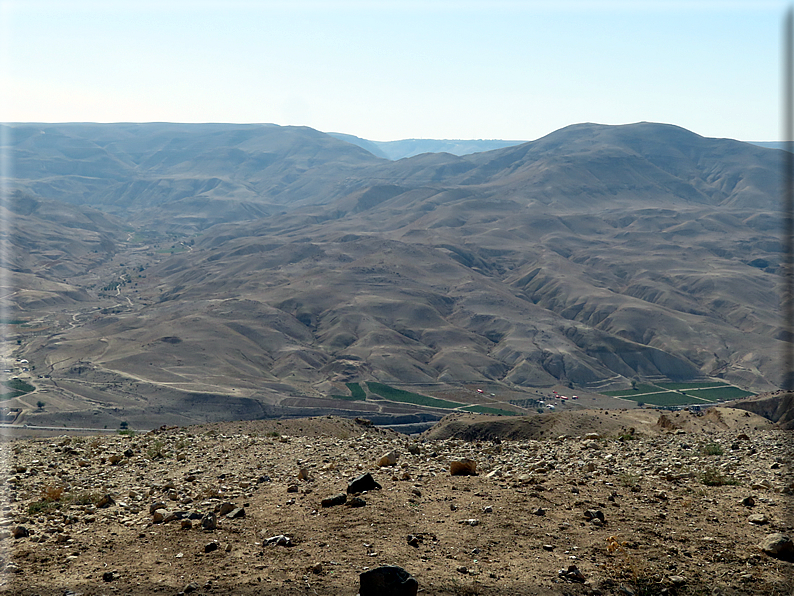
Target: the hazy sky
(387, 70)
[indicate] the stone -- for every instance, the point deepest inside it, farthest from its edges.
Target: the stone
(388, 580)
(413, 540)
(236, 513)
(159, 516)
(677, 580)
(758, 519)
(316, 569)
(110, 576)
(303, 474)
(463, 467)
(186, 524)
(335, 500)
(778, 546)
(292, 488)
(105, 501)
(462, 569)
(209, 522)
(470, 522)
(356, 502)
(280, 540)
(155, 506)
(748, 501)
(414, 449)
(363, 483)
(211, 546)
(225, 508)
(363, 422)
(389, 459)
(20, 532)
(191, 587)
(593, 514)
(572, 574)
(540, 511)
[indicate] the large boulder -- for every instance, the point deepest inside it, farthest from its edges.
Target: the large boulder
(388, 580)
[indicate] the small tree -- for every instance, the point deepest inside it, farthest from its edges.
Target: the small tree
(634, 385)
(124, 425)
(40, 405)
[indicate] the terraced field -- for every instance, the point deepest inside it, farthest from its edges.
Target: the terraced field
(679, 394)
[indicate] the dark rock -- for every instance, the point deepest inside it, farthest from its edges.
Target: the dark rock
(236, 513)
(388, 580)
(191, 587)
(363, 421)
(20, 532)
(105, 501)
(225, 508)
(748, 501)
(356, 502)
(572, 574)
(110, 576)
(539, 511)
(210, 546)
(339, 499)
(363, 483)
(592, 514)
(209, 522)
(413, 540)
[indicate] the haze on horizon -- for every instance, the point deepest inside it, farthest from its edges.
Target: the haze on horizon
(397, 70)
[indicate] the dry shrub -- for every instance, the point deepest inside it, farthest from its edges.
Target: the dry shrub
(52, 493)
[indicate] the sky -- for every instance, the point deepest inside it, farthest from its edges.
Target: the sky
(387, 70)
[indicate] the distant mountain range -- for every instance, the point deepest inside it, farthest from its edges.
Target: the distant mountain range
(270, 266)
(409, 147)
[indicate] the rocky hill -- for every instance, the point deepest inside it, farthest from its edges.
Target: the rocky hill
(249, 271)
(608, 502)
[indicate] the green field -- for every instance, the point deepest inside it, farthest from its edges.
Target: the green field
(718, 393)
(356, 391)
(17, 387)
(410, 398)
(487, 410)
(693, 385)
(641, 388)
(665, 398)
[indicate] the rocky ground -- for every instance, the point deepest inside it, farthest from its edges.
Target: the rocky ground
(599, 502)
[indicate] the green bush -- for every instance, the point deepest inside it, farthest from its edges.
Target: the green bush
(712, 449)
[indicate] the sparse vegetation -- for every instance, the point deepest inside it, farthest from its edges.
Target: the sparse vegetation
(712, 449)
(628, 479)
(713, 477)
(155, 450)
